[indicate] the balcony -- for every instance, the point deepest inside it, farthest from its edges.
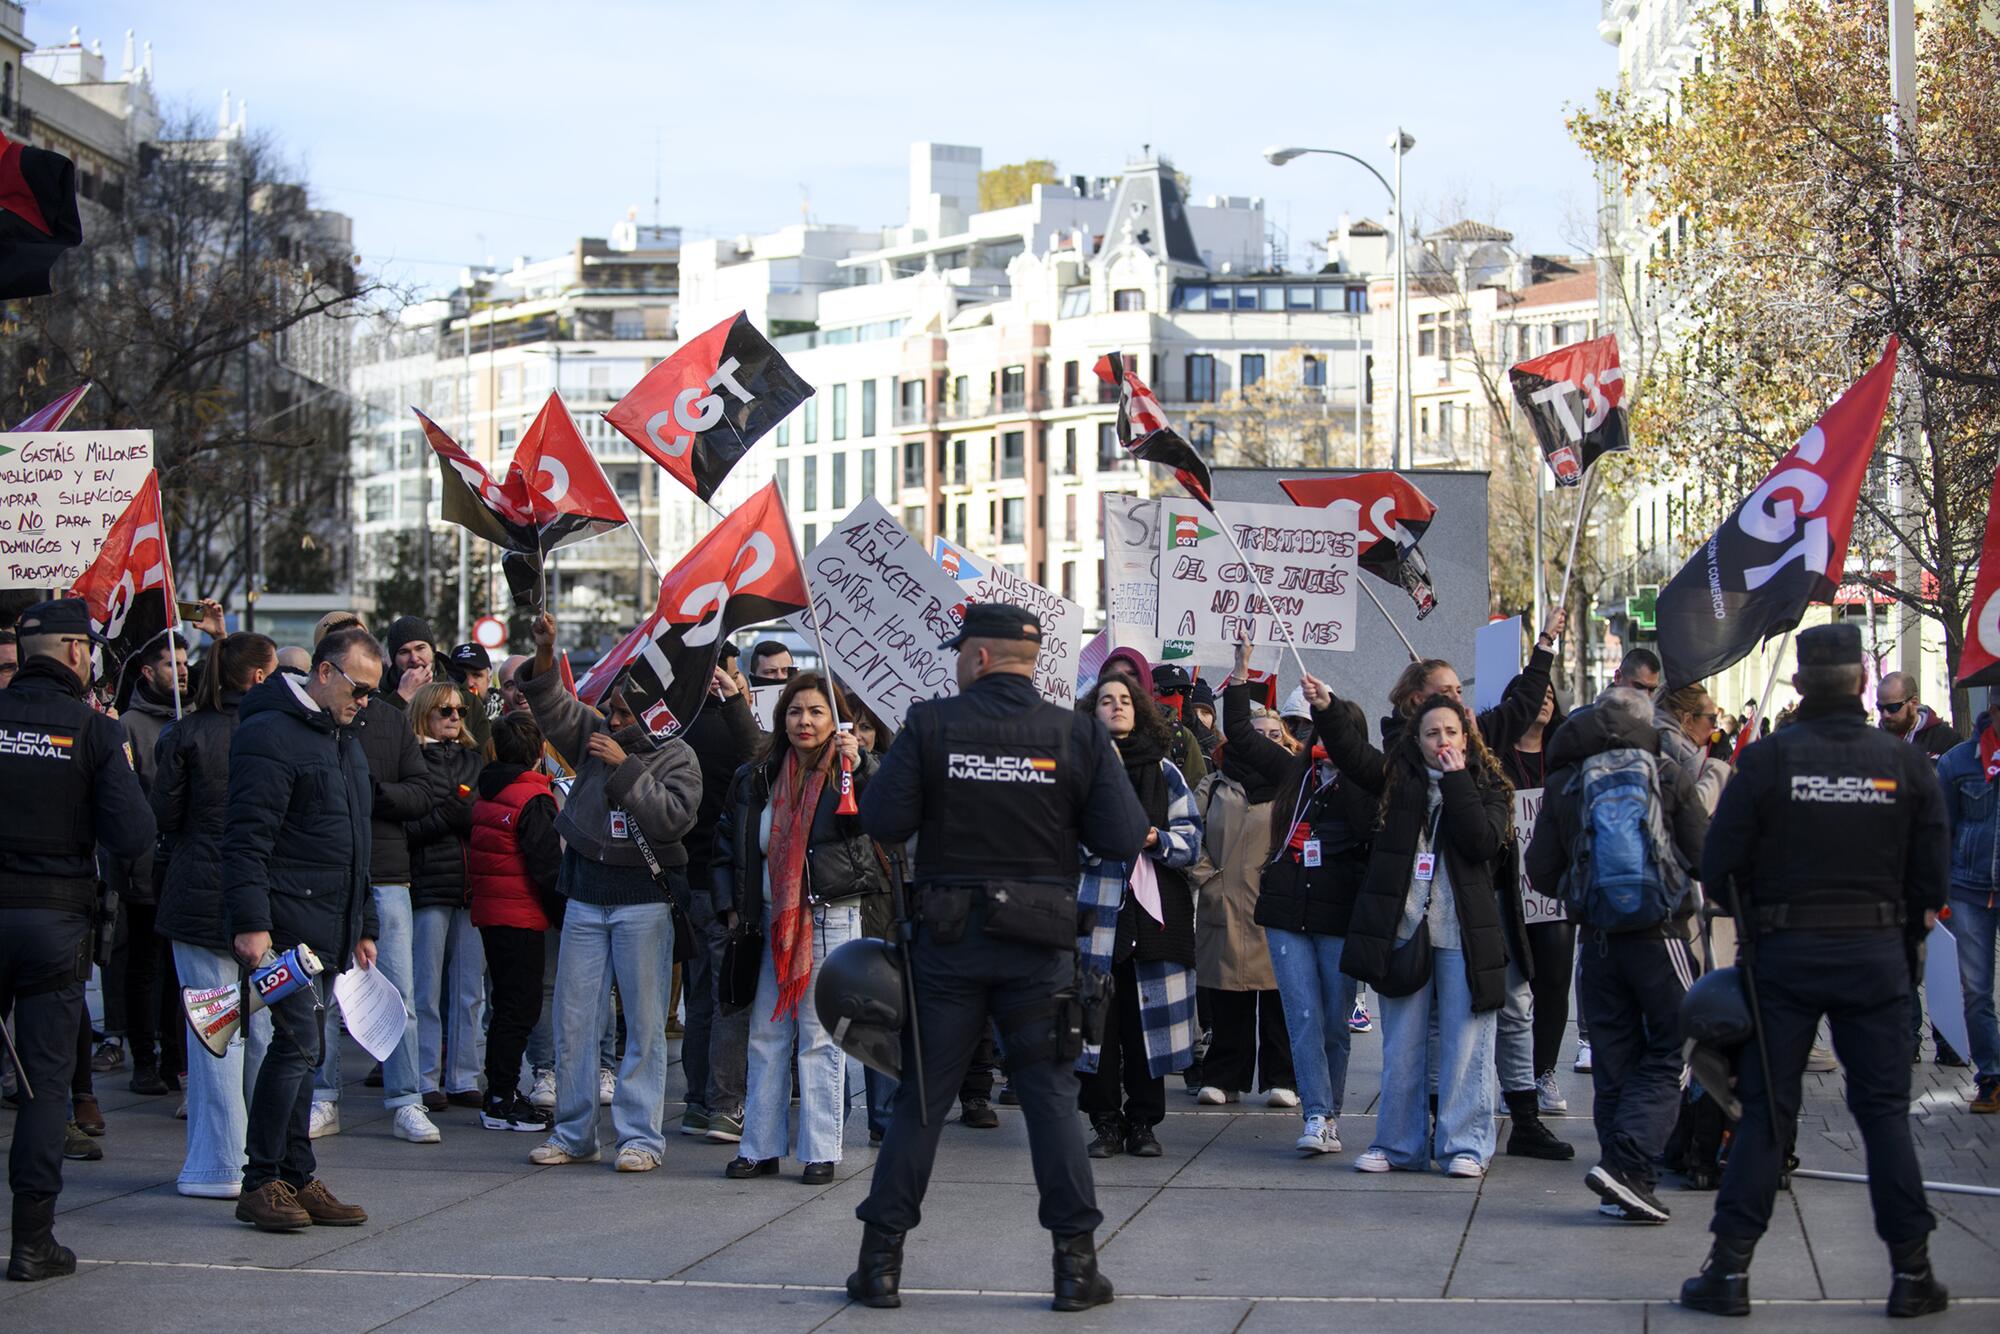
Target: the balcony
(915, 414)
(1020, 400)
(958, 410)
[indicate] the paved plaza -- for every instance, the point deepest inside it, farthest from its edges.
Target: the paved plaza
(1229, 1231)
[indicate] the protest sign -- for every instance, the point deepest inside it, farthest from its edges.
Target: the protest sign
(1534, 907)
(883, 607)
(1496, 661)
(60, 492)
(763, 699)
(1304, 575)
(1131, 527)
(1062, 620)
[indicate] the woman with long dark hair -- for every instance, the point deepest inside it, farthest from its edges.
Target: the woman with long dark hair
(190, 791)
(448, 960)
(785, 859)
(1153, 953)
(1447, 813)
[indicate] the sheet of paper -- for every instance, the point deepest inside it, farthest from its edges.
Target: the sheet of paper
(1941, 990)
(372, 1009)
(1496, 661)
(1146, 889)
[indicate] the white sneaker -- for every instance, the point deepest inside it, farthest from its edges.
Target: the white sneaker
(632, 1158)
(607, 1087)
(1373, 1160)
(181, 1114)
(543, 1094)
(1582, 1065)
(210, 1190)
(1322, 1136)
(1549, 1096)
(1211, 1096)
(551, 1153)
(325, 1120)
(414, 1125)
(1281, 1098)
(1465, 1165)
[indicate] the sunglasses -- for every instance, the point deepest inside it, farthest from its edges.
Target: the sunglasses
(449, 711)
(360, 691)
(1890, 706)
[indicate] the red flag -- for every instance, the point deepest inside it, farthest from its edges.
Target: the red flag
(51, 416)
(1143, 429)
(38, 216)
(1784, 546)
(699, 411)
(745, 571)
(1979, 658)
(1574, 398)
(129, 588)
(568, 676)
(1394, 517)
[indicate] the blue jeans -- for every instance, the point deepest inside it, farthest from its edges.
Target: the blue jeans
(218, 1090)
(542, 1037)
(392, 956)
(1318, 999)
(634, 945)
(1464, 1071)
(1973, 925)
(451, 1010)
(822, 1066)
(1515, 1040)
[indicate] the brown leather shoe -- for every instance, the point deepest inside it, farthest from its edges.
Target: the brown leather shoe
(89, 1117)
(326, 1211)
(272, 1207)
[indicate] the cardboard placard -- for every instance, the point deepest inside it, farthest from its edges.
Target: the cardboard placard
(1534, 907)
(1304, 575)
(1062, 620)
(60, 492)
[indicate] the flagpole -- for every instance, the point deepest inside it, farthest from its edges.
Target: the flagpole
(1770, 681)
(1569, 561)
(1412, 648)
(1264, 590)
(640, 538)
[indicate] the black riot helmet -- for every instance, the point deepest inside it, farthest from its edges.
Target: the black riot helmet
(859, 998)
(1715, 1012)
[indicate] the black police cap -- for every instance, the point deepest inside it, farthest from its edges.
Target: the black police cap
(59, 616)
(996, 620)
(466, 659)
(1830, 646)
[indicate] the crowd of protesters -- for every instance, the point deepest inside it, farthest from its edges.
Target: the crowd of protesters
(555, 893)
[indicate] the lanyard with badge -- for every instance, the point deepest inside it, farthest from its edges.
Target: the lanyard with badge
(1426, 866)
(1310, 852)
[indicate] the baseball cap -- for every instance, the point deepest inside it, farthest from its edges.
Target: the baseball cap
(466, 659)
(996, 620)
(1830, 646)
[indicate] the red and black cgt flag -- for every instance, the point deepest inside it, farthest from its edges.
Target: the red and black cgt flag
(1143, 429)
(38, 216)
(51, 416)
(699, 411)
(1394, 517)
(1979, 659)
(1784, 546)
(553, 495)
(129, 588)
(744, 572)
(1574, 397)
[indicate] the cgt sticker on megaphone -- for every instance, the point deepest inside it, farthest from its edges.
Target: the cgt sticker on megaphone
(216, 1013)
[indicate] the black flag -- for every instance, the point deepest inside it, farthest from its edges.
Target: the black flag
(1574, 398)
(1143, 429)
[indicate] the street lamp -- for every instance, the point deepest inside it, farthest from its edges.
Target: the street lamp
(1399, 144)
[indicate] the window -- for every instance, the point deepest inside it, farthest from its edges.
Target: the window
(811, 410)
(1246, 298)
(1312, 372)
(1253, 368)
(958, 533)
(784, 436)
(961, 391)
(1069, 451)
(1076, 301)
(812, 536)
(1189, 297)
(809, 488)
(1558, 334)
(838, 463)
(913, 521)
(913, 463)
(958, 462)
(868, 473)
(1201, 435)
(1271, 298)
(1525, 346)
(1427, 338)
(1424, 421)
(785, 480)
(840, 412)
(1013, 455)
(1300, 298)
(1069, 519)
(1072, 384)
(1013, 389)
(1462, 333)
(1220, 297)
(1357, 300)
(1014, 520)
(1200, 377)
(1109, 455)
(868, 412)
(1128, 298)
(1444, 423)
(1069, 580)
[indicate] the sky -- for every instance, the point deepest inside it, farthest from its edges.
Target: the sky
(457, 133)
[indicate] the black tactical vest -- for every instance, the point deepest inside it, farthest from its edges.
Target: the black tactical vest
(1000, 794)
(48, 759)
(1841, 834)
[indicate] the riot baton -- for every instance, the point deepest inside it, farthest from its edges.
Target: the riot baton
(1746, 959)
(906, 938)
(7, 1036)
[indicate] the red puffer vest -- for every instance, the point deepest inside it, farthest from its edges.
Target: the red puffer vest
(502, 892)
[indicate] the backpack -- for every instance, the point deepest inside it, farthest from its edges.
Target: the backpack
(1624, 874)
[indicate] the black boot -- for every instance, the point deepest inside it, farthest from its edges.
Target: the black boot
(36, 1254)
(878, 1275)
(1914, 1290)
(1110, 1140)
(1723, 1285)
(1530, 1138)
(1078, 1284)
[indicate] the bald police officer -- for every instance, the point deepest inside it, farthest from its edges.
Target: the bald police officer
(1833, 834)
(69, 790)
(1000, 788)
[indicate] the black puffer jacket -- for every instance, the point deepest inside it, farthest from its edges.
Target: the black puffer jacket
(190, 793)
(1474, 831)
(402, 784)
(144, 719)
(841, 863)
(723, 736)
(437, 840)
(1313, 900)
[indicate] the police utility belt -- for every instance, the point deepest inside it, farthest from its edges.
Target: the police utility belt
(1033, 914)
(63, 893)
(1879, 916)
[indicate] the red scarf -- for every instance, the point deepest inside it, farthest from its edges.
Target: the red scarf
(791, 915)
(1302, 827)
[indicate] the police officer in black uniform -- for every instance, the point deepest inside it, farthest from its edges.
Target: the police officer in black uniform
(1000, 789)
(1833, 836)
(69, 789)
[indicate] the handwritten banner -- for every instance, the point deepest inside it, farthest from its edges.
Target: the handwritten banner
(883, 606)
(982, 580)
(1304, 572)
(763, 701)
(60, 492)
(1534, 907)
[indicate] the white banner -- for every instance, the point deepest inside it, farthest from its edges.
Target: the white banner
(884, 606)
(763, 699)
(1304, 563)
(1534, 907)
(1132, 573)
(1062, 620)
(60, 492)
